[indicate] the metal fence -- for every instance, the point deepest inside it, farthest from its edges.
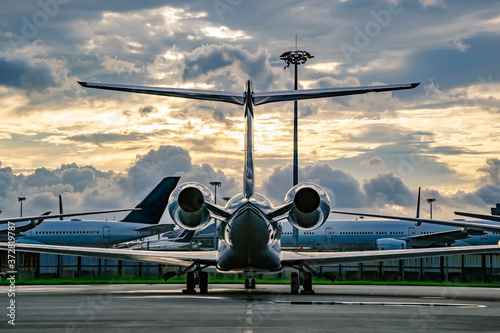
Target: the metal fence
(460, 268)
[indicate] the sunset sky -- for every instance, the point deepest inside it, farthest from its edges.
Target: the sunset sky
(104, 150)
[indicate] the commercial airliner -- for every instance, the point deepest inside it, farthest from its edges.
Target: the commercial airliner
(384, 235)
(250, 229)
(140, 222)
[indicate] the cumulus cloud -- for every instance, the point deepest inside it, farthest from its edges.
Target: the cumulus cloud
(386, 189)
(343, 189)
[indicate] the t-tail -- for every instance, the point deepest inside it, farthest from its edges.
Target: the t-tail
(153, 206)
(248, 99)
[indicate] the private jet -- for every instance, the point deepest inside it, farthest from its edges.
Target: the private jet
(249, 232)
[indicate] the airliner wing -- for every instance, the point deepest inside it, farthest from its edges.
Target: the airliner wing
(458, 224)
(208, 95)
(480, 216)
(156, 228)
(296, 95)
(335, 258)
(441, 238)
(46, 217)
(180, 258)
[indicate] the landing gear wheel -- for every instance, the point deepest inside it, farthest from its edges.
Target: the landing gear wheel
(252, 283)
(189, 284)
(247, 283)
(294, 283)
(203, 282)
(307, 284)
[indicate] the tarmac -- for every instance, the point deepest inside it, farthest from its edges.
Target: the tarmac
(268, 308)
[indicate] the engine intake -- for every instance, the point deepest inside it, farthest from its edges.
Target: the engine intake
(311, 206)
(186, 206)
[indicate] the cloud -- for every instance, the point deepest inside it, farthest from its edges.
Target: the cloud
(115, 65)
(343, 189)
(26, 75)
(491, 172)
(233, 61)
(386, 189)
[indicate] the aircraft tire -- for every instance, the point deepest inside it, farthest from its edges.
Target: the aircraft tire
(203, 282)
(294, 283)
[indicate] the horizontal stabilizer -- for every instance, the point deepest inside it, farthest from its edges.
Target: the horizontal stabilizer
(207, 95)
(296, 95)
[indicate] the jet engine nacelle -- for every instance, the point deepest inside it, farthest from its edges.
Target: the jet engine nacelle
(186, 206)
(390, 244)
(311, 206)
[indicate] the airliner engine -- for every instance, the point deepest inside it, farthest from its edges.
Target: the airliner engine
(186, 206)
(311, 206)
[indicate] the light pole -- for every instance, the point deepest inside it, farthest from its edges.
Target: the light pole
(215, 185)
(430, 201)
(296, 58)
(21, 199)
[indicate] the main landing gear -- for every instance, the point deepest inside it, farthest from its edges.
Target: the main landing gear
(193, 278)
(304, 278)
(305, 281)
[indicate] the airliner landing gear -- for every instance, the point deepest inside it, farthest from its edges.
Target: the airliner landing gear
(303, 278)
(249, 282)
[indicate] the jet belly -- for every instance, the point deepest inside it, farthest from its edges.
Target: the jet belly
(249, 244)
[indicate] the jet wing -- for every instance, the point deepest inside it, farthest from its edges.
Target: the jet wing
(335, 258)
(458, 224)
(296, 95)
(480, 216)
(180, 258)
(208, 95)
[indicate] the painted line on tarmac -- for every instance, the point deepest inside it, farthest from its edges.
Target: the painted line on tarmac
(383, 304)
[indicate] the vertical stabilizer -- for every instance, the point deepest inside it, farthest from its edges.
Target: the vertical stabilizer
(418, 204)
(248, 168)
(153, 206)
(60, 207)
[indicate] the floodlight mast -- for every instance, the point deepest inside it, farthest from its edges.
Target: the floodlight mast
(295, 58)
